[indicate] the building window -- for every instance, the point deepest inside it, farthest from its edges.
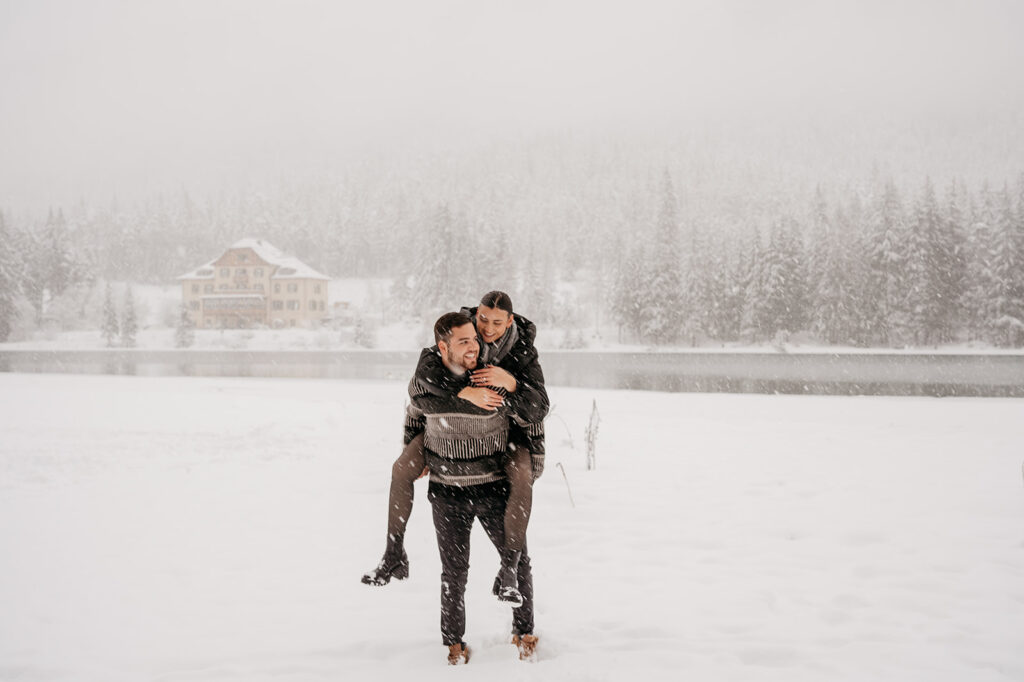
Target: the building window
(195, 288)
(321, 305)
(225, 272)
(277, 287)
(293, 305)
(194, 305)
(257, 272)
(207, 288)
(257, 286)
(278, 305)
(292, 287)
(240, 271)
(316, 289)
(242, 257)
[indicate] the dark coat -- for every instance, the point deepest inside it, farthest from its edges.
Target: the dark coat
(528, 405)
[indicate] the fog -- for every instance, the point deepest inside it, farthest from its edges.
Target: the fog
(126, 99)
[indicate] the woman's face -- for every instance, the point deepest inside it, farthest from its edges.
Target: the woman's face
(491, 323)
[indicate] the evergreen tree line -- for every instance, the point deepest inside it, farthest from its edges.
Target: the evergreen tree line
(870, 265)
(36, 266)
(121, 330)
(875, 271)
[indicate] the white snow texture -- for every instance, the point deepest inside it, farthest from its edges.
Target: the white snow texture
(183, 529)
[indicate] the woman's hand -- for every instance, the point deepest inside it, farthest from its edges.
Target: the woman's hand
(482, 397)
(494, 376)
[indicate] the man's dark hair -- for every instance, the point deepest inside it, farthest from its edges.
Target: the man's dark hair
(497, 299)
(446, 323)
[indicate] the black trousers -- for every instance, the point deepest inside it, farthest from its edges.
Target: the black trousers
(454, 511)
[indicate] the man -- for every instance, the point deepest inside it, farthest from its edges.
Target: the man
(464, 446)
(507, 357)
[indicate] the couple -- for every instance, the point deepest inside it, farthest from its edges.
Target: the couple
(475, 422)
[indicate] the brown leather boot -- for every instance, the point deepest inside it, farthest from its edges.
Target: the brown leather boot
(527, 645)
(458, 654)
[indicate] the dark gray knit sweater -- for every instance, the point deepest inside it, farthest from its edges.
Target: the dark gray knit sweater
(528, 405)
(464, 444)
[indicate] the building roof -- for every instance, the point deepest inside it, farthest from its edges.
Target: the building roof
(288, 267)
(202, 272)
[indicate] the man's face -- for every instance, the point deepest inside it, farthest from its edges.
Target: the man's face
(492, 323)
(461, 350)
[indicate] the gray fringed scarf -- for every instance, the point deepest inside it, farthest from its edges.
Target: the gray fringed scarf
(493, 353)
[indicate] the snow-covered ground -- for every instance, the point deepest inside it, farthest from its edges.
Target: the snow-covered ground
(184, 529)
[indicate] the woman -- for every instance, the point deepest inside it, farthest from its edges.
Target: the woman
(509, 363)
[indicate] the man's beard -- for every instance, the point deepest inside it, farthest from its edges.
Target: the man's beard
(459, 364)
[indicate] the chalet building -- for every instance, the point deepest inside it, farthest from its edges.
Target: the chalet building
(253, 283)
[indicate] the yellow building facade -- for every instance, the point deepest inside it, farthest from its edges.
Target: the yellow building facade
(254, 283)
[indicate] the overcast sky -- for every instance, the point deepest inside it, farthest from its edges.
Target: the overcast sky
(107, 97)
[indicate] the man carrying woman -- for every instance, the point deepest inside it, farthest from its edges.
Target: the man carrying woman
(502, 374)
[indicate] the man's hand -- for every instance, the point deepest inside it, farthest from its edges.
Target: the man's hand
(482, 397)
(494, 376)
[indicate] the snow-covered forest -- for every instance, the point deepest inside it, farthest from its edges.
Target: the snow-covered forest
(677, 243)
(676, 173)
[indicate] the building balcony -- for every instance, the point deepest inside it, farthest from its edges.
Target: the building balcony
(233, 303)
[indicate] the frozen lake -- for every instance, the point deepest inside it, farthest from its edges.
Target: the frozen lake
(874, 373)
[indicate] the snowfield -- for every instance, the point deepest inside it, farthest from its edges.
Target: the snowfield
(185, 529)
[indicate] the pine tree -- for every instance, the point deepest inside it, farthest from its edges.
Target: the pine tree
(129, 324)
(33, 283)
(50, 263)
(831, 318)
(663, 315)
(752, 320)
(185, 334)
(783, 282)
(62, 270)
(627, 299)
(9, 277)
(884, 281)
(952, 266)
(401, 296)
(1017, 287)
(708, 291)
(436, 264)
(538, 287)
(1005, 294)
(497, 267)
(854, 224)
(464, 277)
(927, 254)
(110, 327)
(700, 285)
(797, 292)
(729, 320)
(977, 287)
(365, 333)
